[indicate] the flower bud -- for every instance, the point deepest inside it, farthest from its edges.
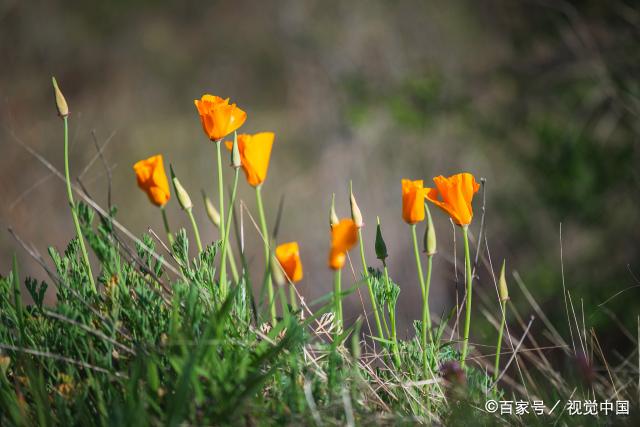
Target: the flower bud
(61, 103)
(333, 217)
(183, 196)
(381, 247)
(356, 215)
(429, 235)
(277, 275)
(503, 292)
(236, 160)
(212, 212)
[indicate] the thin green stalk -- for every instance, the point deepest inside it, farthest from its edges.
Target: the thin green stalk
(225, 240)
(292, 296)
(165, 221)
(195, 229)
(496, 370)
(426, 317)
(265, 238)
(337, 300)
(74, 214)
(283, 303)
(467, 323)
(220, 187)
(374, 305)
(416, 252)
(392, 318)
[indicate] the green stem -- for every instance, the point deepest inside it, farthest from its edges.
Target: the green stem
(225, 240)
(374, 305)
(74, 214)
(426, 317)
(337, 300)
(392, 318)
(165, 221)
(384, 319)
(195, 229)
(467, 323)
(265, 238)
(220, 187)
(292, 297)
(496, 370)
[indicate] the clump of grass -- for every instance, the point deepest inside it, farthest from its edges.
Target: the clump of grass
(168, 339)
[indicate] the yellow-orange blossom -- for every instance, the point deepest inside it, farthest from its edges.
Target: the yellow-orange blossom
(288, 255)
(412, 201)
(152, 179)
(454, 196)
(218, 117)
(255, 152)
(343, 236)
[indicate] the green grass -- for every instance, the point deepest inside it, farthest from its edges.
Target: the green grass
(157, 348)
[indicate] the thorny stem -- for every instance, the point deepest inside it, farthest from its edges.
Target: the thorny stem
(265, 238)
(74, 213)
(469, 277)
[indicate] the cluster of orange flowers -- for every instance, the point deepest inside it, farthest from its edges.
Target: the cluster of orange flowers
(219, 118)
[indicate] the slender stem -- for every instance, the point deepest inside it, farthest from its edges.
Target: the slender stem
(283, 303)
(232, 264)
(337, 300)
(416, 252)
(392, 318)
(467, 262)
(292, 296)
(195, 229)
(74, 213)
(374, 305)
(165, 221)
(220, 187)
(265, 238)
(225, 240)
(384, 318)
(426, 318)
(496, 370)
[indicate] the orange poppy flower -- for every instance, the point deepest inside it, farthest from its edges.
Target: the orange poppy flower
(153, 180)
(288, 255)
(412, 201)
(218, 117)
(454, 196)
(343, 236)
(255, 151)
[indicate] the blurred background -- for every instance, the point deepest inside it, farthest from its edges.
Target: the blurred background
(539, 97)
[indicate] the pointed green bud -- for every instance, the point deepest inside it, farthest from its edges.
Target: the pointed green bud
(61, 103)
(236, 160)
(429, 234)
(333, 217)
(212, 212)
(381, 247)
(277, 275)
(502, 284)
(181, 193)
(356, 215)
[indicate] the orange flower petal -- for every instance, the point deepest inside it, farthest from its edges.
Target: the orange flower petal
(412, 201)
(343, 236)
(454, 195)
(255, 153)
(152, 179)
(288, 255)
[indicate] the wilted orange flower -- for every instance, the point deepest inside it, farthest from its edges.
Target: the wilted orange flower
(343, 236)
(288, 255)
(454, 195)
(255, 151)
(153, 180)
(412, 201)
(218, 117)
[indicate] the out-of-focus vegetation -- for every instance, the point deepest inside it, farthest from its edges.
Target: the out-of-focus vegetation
(539, 97)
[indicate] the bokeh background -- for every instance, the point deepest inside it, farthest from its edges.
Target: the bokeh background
(539, 97)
